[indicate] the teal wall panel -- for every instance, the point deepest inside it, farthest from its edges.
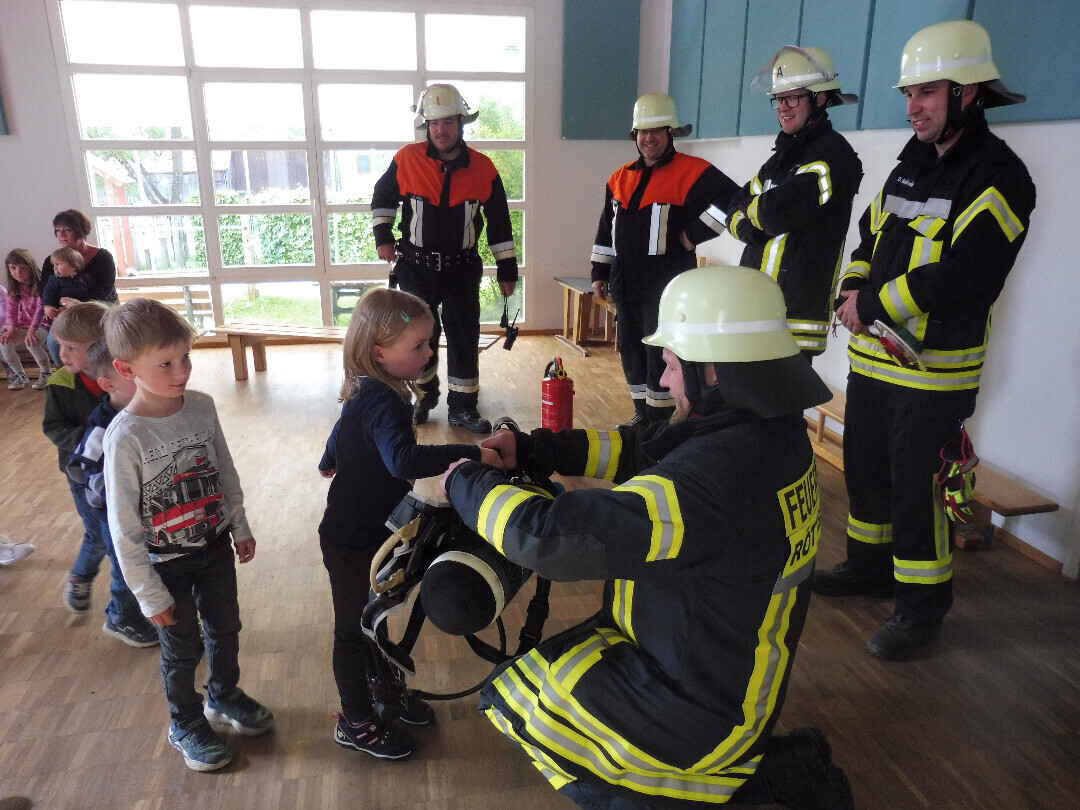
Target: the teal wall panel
(685, 81)
(848, 45)
(769, 24)
(894, 22)
(600, 67)
(1036, 48)
(723, 80)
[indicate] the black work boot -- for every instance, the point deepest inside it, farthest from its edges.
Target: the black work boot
(638, 420)
(844, 579)
(470, 419)
(422, 408)
(800, 773)
(903, 637)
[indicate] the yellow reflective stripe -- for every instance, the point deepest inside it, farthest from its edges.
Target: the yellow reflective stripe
(772, 256)
(810, 335)
(733, 225)
(622, 607)
(664, 512)
(942, 528)
(924, 572)
(752, 213)
(548, 767)
(990, 200)
(821, 169)
(872, 533)
(897, 299)
(924, 251)
(878, 214)
(605, 447)
(755, 185)
(859, 270)
(927, 226)
(495, 511)
(959, 370)
(556, 720)
(771, 659)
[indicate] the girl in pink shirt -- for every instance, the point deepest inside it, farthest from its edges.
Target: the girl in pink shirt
(25, 320)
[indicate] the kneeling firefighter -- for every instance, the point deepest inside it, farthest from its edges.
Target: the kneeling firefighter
(669, 694)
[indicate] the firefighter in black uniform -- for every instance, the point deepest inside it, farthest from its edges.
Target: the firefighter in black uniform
(936, 246)
(656, 210)
(668, 696)
(446, 190)
(793, 216)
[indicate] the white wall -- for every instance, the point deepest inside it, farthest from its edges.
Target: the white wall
(1026, 424)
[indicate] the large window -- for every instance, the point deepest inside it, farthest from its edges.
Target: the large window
(234, 146)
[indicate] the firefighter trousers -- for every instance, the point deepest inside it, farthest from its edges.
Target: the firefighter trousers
(897, 523)
(643, 366)
(457, 292)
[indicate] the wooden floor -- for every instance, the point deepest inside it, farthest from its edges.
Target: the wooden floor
(990, 720)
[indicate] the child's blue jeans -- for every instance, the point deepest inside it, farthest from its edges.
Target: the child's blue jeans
(123, 608)
(202, 583)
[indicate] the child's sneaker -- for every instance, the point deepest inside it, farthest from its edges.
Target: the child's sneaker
(202, 748)
(382, 740)
(11, 551)
(247, 716)
(17, 382)
(133, 636)
(43, 378)
(415, 711)
(77, 594)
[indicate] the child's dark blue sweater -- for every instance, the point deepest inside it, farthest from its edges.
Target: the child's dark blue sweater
(373, 448)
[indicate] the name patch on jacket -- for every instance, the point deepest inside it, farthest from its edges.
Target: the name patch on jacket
(800, 504)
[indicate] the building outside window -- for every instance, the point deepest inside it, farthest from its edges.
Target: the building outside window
(231, 151)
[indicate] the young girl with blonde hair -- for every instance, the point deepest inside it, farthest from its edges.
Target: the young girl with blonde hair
(372, 455)
(25, 320)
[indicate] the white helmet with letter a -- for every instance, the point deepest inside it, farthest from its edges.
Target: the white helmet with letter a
(735, 318)
(795, 68)
(442, 101)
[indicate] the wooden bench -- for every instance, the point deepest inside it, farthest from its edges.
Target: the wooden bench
(829, 443)
(994, 491)
(191, 302)
(580, 307)
(241, 336)
(254, 335)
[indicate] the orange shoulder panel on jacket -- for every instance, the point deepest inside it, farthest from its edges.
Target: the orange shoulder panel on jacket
(668, 185)
(422, 176)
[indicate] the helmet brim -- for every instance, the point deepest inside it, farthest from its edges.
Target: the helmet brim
(771, 388)
(465, 119)
(676, 132)
(995, 94)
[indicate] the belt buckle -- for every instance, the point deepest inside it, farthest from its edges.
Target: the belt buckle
(438, 260)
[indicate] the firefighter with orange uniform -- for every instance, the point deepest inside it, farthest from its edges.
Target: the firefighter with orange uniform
(656, 210)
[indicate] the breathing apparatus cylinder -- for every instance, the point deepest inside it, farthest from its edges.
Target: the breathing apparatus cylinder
(556, 397)
(465, 589)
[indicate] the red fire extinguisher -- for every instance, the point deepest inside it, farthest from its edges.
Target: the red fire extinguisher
(556, 397)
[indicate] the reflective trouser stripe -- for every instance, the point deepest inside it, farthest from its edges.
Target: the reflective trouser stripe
(873, 533)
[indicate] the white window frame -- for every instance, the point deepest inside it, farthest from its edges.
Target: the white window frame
(321, 271)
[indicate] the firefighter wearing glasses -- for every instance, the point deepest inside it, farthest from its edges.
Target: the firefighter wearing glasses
(936, 246)
(445, 190)
(656, 210)
(793, 216)
(668, 695)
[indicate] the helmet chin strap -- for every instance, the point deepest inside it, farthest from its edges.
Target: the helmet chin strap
(703, 398)
(956, 117)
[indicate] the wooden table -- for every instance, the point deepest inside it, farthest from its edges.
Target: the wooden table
(578, 306)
